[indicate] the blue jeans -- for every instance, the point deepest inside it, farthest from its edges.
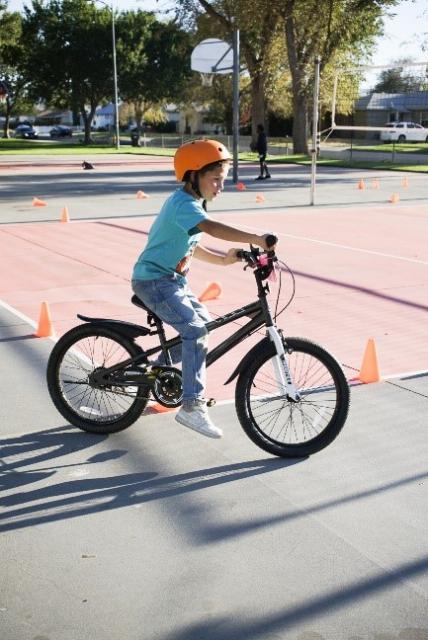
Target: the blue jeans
(170, 298)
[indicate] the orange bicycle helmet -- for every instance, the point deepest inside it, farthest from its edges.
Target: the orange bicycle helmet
(195, 155)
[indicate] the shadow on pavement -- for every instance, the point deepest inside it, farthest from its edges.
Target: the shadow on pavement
(263, 627)
(80, 497)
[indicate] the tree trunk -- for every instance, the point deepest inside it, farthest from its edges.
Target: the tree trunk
(298, 70)
(6, 131)
(87, 124)
(87, 121)
(300, 123)
(139, 115)
(258, 106)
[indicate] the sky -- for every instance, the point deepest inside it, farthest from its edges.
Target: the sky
(404, 33)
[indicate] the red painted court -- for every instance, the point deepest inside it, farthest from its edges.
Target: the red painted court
(360, 273)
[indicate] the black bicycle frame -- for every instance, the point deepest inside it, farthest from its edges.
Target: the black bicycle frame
(258, 319)
(260, 316)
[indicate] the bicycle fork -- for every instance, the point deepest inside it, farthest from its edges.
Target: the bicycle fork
(282, 371)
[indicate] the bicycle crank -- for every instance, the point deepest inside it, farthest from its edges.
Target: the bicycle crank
(167, 388)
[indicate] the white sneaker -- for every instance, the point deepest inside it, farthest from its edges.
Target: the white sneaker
(198, 420)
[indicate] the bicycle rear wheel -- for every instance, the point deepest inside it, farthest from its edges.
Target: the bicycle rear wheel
(93, 408)
(280, 425)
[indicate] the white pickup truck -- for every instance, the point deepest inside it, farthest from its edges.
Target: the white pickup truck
(404, 132)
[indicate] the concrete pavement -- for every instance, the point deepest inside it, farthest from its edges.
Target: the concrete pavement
(109, 191)
(157, 533)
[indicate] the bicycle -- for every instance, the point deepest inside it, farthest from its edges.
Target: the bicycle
(291, 395)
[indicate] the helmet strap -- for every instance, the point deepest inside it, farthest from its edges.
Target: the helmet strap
(195, 184)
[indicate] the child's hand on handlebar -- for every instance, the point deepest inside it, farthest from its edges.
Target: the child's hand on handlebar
(231, 256)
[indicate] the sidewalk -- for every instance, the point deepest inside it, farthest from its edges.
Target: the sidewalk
(157, 533)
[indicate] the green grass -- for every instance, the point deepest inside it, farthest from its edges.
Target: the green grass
(421, 148)
(47, 148)
(347, 164)
(30, 147)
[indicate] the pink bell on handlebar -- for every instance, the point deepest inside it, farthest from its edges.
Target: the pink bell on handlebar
(262, 262)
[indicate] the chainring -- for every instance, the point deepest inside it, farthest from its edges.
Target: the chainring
(167, 388)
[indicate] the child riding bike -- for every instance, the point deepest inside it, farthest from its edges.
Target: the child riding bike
(159, 275)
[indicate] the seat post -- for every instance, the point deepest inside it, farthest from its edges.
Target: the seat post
(153, 319)
(162, 339)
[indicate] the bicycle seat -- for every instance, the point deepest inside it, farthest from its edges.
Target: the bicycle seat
(139, 303)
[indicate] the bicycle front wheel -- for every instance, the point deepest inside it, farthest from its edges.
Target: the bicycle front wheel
(286, 427)
(94, 408)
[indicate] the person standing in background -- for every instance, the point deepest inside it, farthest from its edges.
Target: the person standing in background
(261, 148)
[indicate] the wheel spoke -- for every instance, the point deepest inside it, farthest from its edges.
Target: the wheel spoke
(98, 404)
(283, 420)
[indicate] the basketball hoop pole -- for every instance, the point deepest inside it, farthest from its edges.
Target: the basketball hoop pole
(235, 103)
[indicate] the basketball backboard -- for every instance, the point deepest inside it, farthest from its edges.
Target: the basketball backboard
(212, 56)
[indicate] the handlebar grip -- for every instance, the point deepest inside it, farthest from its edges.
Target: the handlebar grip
(271, 240)
(240, 254)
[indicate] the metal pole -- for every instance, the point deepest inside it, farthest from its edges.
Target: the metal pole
(315, 137)
(235, 103)
(333, 107)
(116, 99)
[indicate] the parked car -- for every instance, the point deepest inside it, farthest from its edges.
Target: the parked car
(61, 131)
(25, 131)
(404, 132)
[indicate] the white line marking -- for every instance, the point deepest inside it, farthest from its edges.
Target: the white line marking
(22, 316)
(407, 374)
(344, 246)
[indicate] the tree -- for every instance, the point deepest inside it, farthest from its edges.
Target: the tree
(151, 55)
(323, 28)
(401, 78)
(311, 28)
(258, 26)
(71, 55)
(11, 68)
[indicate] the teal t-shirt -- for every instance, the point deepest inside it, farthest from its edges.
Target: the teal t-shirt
(173, 238)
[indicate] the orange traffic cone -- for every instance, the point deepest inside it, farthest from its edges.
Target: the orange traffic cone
(64, 215)
(361, 184)
(45, 327)
(405, 182)
(38, 203)
(141, 195)
(159, 408)
(369, 371)
(241, 186)
(211, 292)
(394, 198)
(260, 197)
(375, 183)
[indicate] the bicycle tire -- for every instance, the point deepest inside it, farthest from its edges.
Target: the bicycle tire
(282, 427)
(97, 410)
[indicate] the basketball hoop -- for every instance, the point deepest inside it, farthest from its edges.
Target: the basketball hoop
(212, 56)
(206, 79)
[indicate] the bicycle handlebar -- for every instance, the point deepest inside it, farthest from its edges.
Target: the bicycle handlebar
(262, 261)
(251, 257)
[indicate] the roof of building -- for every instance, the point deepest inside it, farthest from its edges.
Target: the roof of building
(107, 110)
(393, 101)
